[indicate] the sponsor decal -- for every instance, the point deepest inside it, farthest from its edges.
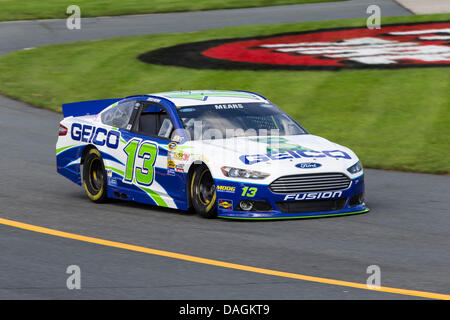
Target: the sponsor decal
(205, 95)
(177, 139)
(98, 136)
(226, 204)
(313, 196)
(293, 154)
(425, 44)
(226, 189)
(171, 171)
(170, 164)
(229, 106)
(181, 156)
(179, 168)
(308, 165)
(112, 181)
(172, 146)
(278, 144)
(186, 109)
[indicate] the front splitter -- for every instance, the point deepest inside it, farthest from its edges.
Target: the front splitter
(293, 216)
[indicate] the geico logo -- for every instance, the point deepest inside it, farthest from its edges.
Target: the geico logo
(97, 136)
(313, 195)
(291, 154)
(226, 188)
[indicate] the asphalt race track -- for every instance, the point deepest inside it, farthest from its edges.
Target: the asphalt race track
(407, 233)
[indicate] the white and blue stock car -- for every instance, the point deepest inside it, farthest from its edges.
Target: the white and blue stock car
(231, 154)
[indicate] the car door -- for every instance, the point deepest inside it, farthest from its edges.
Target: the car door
(150, 173)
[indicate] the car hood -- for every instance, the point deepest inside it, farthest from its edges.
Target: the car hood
(279, 155)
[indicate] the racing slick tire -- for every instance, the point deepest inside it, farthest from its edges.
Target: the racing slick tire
(94, 176)
(203, 193)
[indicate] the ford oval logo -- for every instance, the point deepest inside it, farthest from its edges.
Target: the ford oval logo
(308, 165)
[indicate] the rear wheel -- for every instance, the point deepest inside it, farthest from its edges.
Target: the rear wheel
(94, 177)
(203, 192)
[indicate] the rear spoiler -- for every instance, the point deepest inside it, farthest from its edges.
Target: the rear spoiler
(84, 108)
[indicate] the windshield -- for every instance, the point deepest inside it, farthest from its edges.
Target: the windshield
(221, 121)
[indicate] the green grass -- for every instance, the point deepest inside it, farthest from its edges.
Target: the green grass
(49, 9)
(393, 119)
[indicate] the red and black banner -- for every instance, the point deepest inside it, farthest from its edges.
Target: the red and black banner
(424, 44)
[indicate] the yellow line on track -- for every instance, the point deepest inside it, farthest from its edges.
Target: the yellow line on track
(217, 263)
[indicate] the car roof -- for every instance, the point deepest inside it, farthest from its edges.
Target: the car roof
(206, 97)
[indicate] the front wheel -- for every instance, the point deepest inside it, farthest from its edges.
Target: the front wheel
(94, 177)
(203, 193)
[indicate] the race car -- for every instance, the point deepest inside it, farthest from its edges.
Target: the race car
(228, 154)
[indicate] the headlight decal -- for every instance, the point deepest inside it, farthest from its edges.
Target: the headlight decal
(243, 173)
(357, 167)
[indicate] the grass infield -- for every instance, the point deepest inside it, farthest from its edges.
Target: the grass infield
(51, 9)
(393, 119)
